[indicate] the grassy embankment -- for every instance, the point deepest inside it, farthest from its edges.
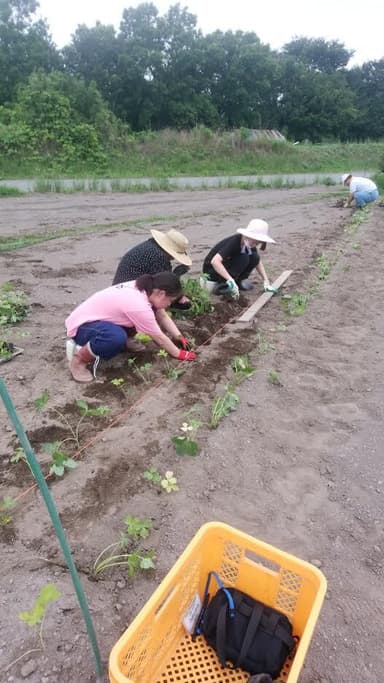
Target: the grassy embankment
(203, 152)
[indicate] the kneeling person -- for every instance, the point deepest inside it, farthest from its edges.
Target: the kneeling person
(231, 261)
(102, 325)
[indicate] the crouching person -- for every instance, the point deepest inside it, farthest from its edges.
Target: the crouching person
(232, 260)
(103, 325)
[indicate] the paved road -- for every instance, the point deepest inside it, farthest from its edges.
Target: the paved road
(106, 184)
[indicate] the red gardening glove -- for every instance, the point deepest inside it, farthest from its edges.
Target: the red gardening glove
(186, 355)
(183, 342)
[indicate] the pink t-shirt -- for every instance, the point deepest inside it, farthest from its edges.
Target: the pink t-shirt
(121, 304)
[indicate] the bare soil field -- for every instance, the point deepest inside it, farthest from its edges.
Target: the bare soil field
(298, 464)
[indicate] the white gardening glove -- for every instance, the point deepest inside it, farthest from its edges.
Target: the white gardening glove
(233, 288)
(268, 288)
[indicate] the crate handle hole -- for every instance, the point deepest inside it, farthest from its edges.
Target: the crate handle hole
(263, 561)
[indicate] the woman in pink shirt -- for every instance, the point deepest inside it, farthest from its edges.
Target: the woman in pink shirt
(101, 325)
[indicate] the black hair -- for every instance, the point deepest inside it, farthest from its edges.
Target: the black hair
(263, 246)
(166, 281)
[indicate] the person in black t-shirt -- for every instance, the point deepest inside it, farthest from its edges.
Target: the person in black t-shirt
(231, 261)
(155, 256)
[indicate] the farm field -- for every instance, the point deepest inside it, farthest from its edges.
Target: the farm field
(298, 463)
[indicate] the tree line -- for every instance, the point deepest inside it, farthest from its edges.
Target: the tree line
(159, 71)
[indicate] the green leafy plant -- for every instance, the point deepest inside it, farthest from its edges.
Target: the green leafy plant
(119, 383)
(6, 505)
(125, 552)
(143, 372)
(13, 304)
(274, 378)
(263, 345)
(295, 304)
(152, 475)
(199, 298)
(170, 371)
(48, 594)
(242, 367)
(223, 406)
(60, 460)
(143, 338)
(137, 528)
(168, 482)
(85, 410)
(187, 444)
(324, 266)
(41, 401)
(7, 350)
(19, 456)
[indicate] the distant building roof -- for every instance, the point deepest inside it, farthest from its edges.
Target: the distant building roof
(270, 134)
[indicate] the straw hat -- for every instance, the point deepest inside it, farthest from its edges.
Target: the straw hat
(174, 243)
(345, 177)
(257, 230)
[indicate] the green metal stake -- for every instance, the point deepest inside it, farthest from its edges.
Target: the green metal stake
(38, 475)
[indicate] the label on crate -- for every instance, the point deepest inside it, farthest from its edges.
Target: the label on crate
(192, 613)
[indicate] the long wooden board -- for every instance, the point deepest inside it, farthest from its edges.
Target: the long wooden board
(263, 299)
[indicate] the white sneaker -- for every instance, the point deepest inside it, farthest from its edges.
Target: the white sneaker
(70, 348)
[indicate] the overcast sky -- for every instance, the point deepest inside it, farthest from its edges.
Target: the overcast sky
(356, 23)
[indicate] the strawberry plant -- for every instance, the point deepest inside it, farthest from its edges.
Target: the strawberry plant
(187, 444)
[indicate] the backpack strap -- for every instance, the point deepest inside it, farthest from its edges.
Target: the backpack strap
(231, 604)
(221, 635)
(250, 633)
(275, 628)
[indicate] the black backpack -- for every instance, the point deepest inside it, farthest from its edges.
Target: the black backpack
(244, 631)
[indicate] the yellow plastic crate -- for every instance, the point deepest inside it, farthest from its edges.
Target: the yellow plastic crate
(156, 648)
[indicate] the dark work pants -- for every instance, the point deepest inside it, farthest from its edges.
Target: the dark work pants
(239, 267)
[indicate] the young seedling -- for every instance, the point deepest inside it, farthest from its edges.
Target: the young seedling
(152, 475)
(187, 444)
(263, 345)
(136, 529)
(274, 378)
(242, 368)
(295, 304)
(6, 505)
(324, 266)
(143, 372)
(170, 371)
(119, 382)
(35, 617)
(168, 482)
(60, 460)
(19, 456)
(223, 406)
(85, 410)
(41, 401)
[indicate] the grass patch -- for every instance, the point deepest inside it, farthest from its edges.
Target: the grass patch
(202, 152)
(7, 191)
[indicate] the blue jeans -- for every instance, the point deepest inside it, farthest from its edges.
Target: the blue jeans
(365, 196)
(105, 339)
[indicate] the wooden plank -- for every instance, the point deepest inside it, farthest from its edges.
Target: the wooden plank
(264, 298)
